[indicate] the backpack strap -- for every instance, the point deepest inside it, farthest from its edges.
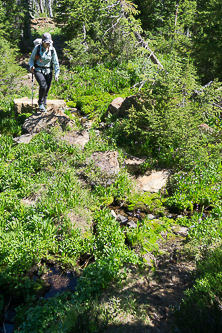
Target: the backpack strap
(52, 52)
(37, 57)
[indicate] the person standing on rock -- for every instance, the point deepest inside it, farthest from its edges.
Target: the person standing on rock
(41, 63)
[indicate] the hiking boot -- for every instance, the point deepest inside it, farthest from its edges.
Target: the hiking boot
(41, 107)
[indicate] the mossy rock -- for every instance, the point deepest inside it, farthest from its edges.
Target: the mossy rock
(138, 206)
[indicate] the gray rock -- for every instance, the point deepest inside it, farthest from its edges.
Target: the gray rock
(113, 213)
(79, 138)
(151, 217)
(25, 138)
(180, 230)
(131, 224)
(44, 120)
(24, 105)
(107, 162)
(121, 218)
(120, 106)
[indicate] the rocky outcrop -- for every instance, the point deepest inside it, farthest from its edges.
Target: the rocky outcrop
(79, 138)
(120, 106)
(25, 105)
(154, 182)
(107, 161)
(25, 138)
(104, 168)
(43, 120)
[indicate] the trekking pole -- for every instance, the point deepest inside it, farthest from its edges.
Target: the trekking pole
(32, 92)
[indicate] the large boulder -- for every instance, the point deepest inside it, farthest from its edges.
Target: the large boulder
(120, 106)
(26, 105)
(44, 120)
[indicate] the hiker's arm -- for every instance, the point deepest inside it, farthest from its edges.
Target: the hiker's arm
(32, 60)
(56, 64)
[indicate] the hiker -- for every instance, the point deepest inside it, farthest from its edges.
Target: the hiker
(41, 63)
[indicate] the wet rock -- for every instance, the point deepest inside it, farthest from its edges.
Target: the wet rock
(131, 224)
(59, 282)
(44, 120)
(121, 218)
(129, 213)
(154, 182)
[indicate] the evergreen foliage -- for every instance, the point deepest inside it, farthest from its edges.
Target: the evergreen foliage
(98, 31)
(10, 70)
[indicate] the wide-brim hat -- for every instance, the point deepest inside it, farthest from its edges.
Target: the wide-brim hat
(46, 38)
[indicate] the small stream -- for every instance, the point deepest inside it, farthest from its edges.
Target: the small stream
(56, 282)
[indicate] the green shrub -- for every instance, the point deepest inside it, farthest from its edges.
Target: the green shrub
(166, 126)
(200, 310)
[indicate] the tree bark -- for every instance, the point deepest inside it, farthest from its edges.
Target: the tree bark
(50, 8)
(41, 7)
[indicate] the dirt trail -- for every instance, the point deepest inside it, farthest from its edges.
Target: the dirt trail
(152, 294)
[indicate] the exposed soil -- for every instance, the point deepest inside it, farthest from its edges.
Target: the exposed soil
(150, 296)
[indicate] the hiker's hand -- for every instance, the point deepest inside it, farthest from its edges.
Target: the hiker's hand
(32, 70)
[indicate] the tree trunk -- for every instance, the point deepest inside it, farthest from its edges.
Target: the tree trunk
(41, 7)
(146, 46)
(30, 8)
(50, 8)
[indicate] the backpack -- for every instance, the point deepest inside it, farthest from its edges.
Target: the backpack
(38, 42)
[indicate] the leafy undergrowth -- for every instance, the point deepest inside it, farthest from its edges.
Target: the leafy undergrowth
(43, 198)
